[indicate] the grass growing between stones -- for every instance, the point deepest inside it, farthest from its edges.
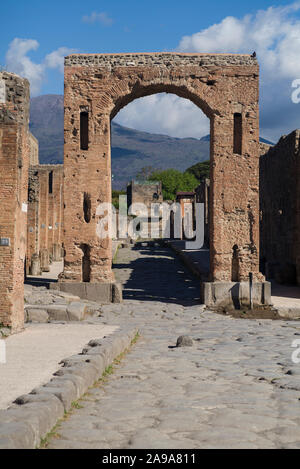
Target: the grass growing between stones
(52, 434)
(76, 405)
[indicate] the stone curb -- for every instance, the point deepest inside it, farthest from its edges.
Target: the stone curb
(32, 416)
(288, 312)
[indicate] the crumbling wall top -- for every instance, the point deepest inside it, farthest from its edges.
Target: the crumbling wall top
(14, 99)
(167, 59)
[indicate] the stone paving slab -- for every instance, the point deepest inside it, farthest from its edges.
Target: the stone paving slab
(236, 387)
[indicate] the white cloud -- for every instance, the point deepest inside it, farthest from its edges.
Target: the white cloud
(165, 114)
(56, 58)
(95, 17)
(273, 33)
(18, 61)
(275, 36)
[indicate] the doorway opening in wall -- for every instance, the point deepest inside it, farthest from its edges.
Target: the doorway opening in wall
(160, 155)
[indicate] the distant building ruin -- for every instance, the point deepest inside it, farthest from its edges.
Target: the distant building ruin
(280, 210)
(145, 192)
(45, 217)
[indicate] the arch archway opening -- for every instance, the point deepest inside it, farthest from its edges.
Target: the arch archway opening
(159, 119)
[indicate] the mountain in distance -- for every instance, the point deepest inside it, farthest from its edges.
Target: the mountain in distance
(206, 138)
(47, 125)
(263, 140)
(131, 149)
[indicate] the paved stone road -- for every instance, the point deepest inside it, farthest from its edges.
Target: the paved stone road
(235, 388)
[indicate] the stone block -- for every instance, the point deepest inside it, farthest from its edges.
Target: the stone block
(235, 294)
(16, 435)
(37, 315)
(117, 293)
(63, 389)
(58, 312)
(76, 311)
(99, 292)
(96, 292)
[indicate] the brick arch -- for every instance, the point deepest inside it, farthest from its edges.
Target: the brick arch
(225, 88)
(140, 90)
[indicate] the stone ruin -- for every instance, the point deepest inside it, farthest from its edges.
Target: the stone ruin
(144, 192)
(31, 200)
(226, 88)
(45, 217)
(14, 164)
(279, 209)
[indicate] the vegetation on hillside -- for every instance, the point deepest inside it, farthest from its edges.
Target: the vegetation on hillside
(200, 170)
(174, 181)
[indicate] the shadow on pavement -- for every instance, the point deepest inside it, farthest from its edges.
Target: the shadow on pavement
(158, 276)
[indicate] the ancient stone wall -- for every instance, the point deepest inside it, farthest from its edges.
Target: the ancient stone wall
(14, 163)
(33, 222)
(45, 215)
(144, 193)
(225, 87)
(280, 210)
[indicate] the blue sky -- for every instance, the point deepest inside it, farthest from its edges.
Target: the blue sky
(51, 29)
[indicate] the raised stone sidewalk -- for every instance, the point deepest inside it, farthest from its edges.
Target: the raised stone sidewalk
(32, 358)
(43, 305)
(285, 299)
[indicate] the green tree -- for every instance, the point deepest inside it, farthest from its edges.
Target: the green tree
(200, 170)
(174, 181)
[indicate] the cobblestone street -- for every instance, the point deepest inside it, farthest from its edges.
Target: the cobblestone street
(236, 387)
